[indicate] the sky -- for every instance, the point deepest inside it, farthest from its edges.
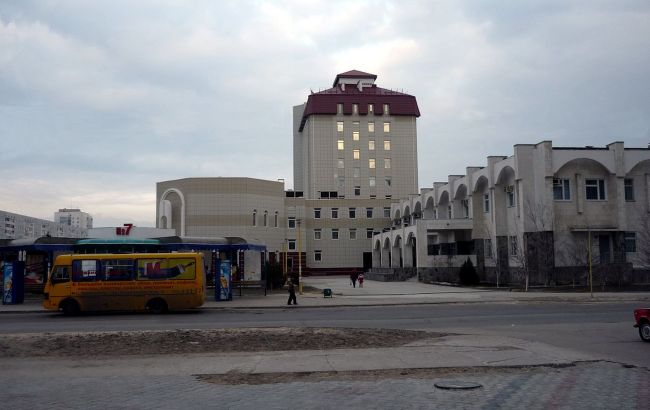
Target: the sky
(99, 100)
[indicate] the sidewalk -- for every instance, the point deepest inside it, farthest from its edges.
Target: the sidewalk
(383, 293)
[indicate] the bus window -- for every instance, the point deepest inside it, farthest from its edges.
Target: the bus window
(85, 270)
(161, 269)
(117, 269)
(60, 274)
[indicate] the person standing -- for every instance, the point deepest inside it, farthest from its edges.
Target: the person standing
(361, 280)
(353, 279)
(292, 293)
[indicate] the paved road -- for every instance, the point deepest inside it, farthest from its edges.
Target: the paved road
(601, 329)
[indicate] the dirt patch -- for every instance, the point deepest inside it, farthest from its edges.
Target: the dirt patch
(202, 341)
(236, 378)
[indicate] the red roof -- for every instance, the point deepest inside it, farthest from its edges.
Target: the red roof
(325, 102)
(353, 74)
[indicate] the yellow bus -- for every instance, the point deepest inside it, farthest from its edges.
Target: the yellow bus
(156, 282)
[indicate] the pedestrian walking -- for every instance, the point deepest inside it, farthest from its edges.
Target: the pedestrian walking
(361, 280)
(353, 279)
(292, 293)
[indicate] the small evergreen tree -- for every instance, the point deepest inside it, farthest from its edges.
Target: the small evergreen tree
(467, 274)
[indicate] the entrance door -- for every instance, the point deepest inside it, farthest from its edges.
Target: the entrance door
(367, 261)
(605, 251)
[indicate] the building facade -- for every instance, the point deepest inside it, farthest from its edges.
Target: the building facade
(73, 217)
(541, 216)
(355, 150)
(16, 226)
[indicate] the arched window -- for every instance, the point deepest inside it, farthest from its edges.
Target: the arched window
(276, 219)
(266, 218)
(254, 217)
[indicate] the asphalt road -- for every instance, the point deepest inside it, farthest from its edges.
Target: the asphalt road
(600, 329)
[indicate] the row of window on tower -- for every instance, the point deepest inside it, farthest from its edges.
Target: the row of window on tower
(356, 125)
(355, 109)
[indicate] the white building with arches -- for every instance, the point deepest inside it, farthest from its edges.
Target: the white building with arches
(541, 215)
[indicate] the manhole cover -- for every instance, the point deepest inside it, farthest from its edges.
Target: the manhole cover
(457, 385)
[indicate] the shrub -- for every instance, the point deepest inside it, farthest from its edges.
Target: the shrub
(467, 274)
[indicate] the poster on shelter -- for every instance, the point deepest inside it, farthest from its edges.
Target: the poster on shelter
(224, 281)
(8, 273)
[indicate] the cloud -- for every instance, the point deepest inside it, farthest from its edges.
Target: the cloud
(102, 100)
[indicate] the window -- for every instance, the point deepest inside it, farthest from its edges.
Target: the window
(371, 145)
(316, 213)
(318, 256)
(355, 135)
(291, 222)
(254, 217)
(371, 127)
(389, 197)
(355, 108)
(353, 234)
(335, 234)
(339, 126)
(595, 189)
(388, 181)
(486, 203)
(561, 189)
(317, 234)
(276, 219)
(117, 269)
(266, 218)
(352, 212)
(630, 241)
(449, 212)
(371, 109)
(386, 109)
(387, 212)
(371, 163)
(356, 154)
(629, 189)
(464, 203)
(335, 213)
(386, 145)
(372, 181)
(372, 196)
(85, 270)
(357, 190)
(514, 249)
(355, 125)
(435, 214)
(369, 233)
(487, 244)
(61, 274)
(339, 108)
(387, 127)
(368, 213)
(356, 172)
(340, 145)
(340, 163)
(387, 163)
(510, 195)
(341, 184)
(291, 244)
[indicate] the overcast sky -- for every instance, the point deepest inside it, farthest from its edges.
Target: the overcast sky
(101, 100)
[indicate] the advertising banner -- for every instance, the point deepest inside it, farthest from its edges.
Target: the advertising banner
(13, 281)
(223, 283)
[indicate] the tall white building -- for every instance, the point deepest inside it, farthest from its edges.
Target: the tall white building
(73, 217)
(355, 151)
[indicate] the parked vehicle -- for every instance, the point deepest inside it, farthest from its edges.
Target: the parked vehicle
(642, 317)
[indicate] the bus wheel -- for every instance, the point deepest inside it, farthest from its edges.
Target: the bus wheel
(70, 307)
(157, 306)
